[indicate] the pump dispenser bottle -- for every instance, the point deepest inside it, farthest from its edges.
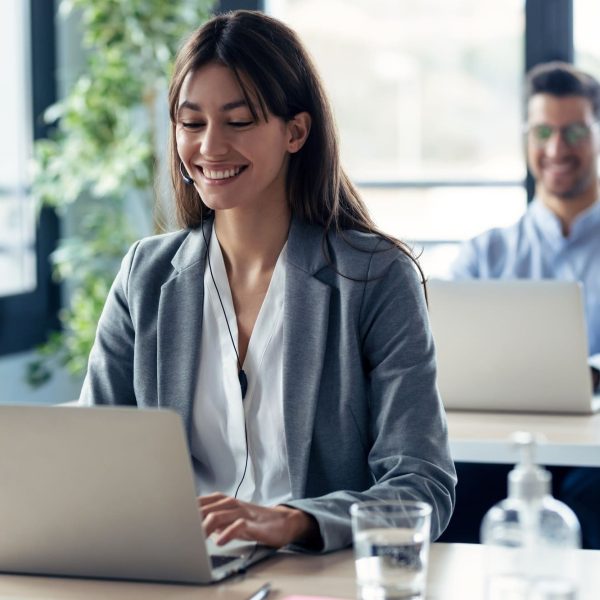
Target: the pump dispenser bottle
(530, 537)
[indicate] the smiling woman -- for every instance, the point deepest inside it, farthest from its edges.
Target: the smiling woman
(288, 332)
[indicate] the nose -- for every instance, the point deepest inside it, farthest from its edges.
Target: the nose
(214, 142)
(556, 145)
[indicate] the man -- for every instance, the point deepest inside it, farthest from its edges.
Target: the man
(557, 238)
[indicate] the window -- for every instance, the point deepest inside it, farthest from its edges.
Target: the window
(28, 300)
(427, 100)
(587, 51)
(426, 96)
(17, 217)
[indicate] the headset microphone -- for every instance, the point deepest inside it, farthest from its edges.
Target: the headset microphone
(184, 174)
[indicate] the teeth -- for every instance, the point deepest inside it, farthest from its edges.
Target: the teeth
(559, 168)
(226, 174)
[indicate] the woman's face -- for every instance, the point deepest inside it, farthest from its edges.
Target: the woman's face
(234, 160)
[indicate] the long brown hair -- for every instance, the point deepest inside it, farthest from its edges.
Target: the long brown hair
(277, 77)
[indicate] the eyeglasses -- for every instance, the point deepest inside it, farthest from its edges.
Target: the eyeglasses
(573, 134)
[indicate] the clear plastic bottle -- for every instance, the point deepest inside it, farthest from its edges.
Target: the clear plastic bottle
(530, 537)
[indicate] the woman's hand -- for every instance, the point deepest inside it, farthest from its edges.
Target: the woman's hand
(274, 526)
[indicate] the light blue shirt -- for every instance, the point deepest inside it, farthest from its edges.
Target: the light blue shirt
(535, 248)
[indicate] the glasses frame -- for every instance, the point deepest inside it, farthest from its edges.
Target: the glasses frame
(529, 128)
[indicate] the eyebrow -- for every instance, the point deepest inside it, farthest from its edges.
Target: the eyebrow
(226, 107)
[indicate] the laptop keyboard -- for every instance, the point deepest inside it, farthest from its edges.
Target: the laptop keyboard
(218, 560)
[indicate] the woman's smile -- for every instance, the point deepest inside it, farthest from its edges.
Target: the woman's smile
(217, 175)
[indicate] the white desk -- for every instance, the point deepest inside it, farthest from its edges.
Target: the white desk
(570, 440)
(455, 573)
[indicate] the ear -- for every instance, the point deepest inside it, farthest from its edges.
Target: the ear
(298, 129)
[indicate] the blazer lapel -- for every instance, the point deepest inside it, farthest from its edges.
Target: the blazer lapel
(304, 339)
(180, 326)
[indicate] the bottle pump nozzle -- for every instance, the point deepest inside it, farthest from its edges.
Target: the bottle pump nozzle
(527, 481)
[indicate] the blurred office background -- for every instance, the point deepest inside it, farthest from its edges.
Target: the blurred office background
(428, 101)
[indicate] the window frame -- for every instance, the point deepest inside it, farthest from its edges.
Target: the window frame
(227, 5)
(548, 36)
(26, 319)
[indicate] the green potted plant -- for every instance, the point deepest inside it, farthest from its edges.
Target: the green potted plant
(99, 165)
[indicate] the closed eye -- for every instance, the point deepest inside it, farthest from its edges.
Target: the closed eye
(240, 124)
(191, 125)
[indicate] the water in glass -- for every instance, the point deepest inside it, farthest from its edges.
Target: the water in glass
(391, 564)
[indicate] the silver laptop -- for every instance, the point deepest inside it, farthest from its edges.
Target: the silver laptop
(104, 492)
(517, 345)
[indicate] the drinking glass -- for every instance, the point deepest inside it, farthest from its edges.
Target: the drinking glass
(391, 548)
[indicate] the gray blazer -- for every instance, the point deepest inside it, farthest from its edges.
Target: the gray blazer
(362, 415)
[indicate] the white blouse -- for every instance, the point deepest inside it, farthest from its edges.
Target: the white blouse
(218, 437)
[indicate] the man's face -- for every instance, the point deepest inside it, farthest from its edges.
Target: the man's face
(562, 158)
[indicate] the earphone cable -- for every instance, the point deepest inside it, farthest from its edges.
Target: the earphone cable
(245, 461)
(236, 354)
(220, 300)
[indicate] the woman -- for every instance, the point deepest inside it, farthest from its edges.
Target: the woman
(290, 335)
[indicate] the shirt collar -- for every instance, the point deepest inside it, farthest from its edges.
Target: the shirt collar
(586, 220)
(551, 225)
